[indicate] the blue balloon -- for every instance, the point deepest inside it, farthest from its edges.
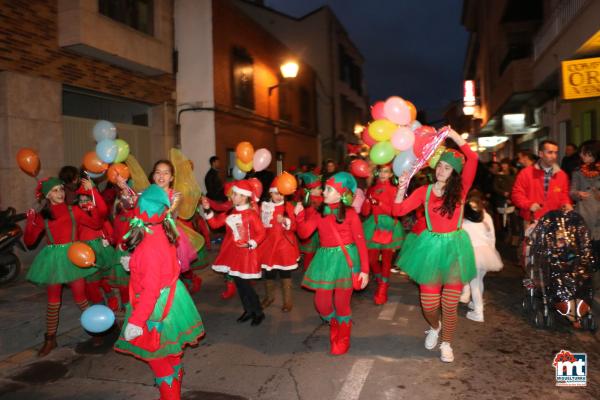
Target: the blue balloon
(238, 173)
(403, 162)
(93, 175)
(107, 150)
(97, 319)
(414, 125)
(104, 130)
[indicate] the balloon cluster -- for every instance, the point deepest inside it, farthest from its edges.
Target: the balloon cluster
(109, 150)
(394, 134)
(248, 159)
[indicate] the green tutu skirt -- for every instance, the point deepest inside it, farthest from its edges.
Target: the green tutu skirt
(117, 276)
(105, 257)
(202, 260)
(329, 269)
(409, 241)
(311, 245)
(439, 258)
(52, 266)
(182, 326)
(385, 224)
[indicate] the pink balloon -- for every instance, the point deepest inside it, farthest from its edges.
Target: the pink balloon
(262, 159)
(403, 138)
(396, 110)
(367, 139)
(377, 111)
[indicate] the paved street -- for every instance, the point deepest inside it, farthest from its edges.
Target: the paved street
(286, 357)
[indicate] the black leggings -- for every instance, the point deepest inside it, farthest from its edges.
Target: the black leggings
(271, 275)
(248, 296)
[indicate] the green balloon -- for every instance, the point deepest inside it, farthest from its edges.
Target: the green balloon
(122, 150)
(382, 153)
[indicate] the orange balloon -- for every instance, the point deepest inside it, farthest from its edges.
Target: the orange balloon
(244, 152)
(286, 184)
(413, 110)
(81, 255)
(92, 163)
(117, 169)
(29, 161)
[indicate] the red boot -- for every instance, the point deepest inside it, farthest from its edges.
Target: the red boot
(334, 329)
(229, 291)
(343, 340)
(381, 296)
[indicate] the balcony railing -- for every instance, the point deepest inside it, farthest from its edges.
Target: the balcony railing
(562, 15)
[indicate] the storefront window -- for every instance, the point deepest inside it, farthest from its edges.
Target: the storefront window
(137, 14)
(243, 78)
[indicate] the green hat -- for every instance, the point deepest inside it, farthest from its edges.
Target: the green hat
(152, 205)
(456, 159)
(310, 180)
(46, 185)
(342, 182)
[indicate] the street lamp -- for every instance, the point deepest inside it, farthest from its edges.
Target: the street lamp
(289, 70)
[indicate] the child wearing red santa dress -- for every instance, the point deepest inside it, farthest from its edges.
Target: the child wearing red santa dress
(238, 257)
(278, 254)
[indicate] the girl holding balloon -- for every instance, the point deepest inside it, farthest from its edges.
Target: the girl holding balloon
(341, 262)
(161, 319)
(441, 259)
(383, 232)
(52, 266)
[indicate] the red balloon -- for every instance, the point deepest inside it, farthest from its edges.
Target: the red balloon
(257, 187)
(423, 135)
(367, 139)
(360, 168)
(377, 110)
(29, 161)
(81, 255)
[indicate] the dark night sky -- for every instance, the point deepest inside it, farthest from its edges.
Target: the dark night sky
(413, 49)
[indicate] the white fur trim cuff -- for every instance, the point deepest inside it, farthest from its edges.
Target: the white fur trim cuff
(252, 244)
(243, 192)
(280, 267)
(227, 270)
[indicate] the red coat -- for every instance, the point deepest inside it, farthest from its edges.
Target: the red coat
(350, 231)
(379, 199)
(280, 247)
(61, 227)
(86, 233)
(243, 227)
(121, 226)
(153, 266)
(529, 189)
(441, 223)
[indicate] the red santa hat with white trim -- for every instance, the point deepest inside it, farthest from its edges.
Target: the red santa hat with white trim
(244, 188)
(273, 188)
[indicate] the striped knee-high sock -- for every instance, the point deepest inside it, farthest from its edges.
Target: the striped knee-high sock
(83, 305)
(52, 312)
(430, 303)
(449, 305)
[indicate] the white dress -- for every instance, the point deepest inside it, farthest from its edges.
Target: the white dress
(483, 240)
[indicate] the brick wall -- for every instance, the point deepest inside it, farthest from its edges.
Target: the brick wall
(29, 44)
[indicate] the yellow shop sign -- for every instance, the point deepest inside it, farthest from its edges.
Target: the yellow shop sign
(581, 78)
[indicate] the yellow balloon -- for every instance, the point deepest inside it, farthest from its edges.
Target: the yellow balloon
(382, 129)
(246, 167)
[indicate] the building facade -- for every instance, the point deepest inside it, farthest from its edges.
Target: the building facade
(65, 64)
(514, 57)
(323, 43)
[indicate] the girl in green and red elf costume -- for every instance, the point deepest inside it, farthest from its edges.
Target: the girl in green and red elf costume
(238, 257)
(383, 232)
(441, 258)
(161, 318)
(342, 254)
(98, 240)
(312, 199)
(52, 267)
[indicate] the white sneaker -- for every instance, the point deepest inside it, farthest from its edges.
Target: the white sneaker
(432, 337)
(447, 353)
(475, 316)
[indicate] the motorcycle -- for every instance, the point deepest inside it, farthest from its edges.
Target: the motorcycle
(10, 236)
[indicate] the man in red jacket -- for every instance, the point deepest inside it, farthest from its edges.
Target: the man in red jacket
(543, 186)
